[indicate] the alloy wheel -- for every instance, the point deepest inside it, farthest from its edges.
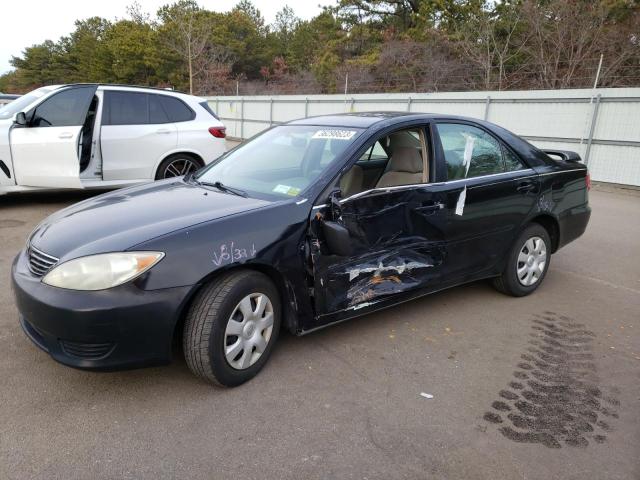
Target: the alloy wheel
(248, 331)
(531, 261)
(180, 167)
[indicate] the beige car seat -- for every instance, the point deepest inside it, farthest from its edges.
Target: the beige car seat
(405, 168)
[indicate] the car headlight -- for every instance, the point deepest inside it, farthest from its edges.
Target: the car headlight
(97, 272)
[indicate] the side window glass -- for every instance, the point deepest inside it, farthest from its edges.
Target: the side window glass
(469, 151)
(511, 162)
(176, 110)
(126, 108)
(65, 109)
(405, 165)
(156, 112)
(376, 152)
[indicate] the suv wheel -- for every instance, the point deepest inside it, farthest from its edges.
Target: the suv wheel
(177, 165)
(231, 328)
(527, 264)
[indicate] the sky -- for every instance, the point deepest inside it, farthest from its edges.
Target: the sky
(25, 23)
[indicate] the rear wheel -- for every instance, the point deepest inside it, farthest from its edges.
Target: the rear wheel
(527, 264)
(177, 165)
(231, 328)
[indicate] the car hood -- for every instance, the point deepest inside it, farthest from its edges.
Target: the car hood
(124, 218)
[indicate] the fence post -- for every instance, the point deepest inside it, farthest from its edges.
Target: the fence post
(353, 101)
(306, 107)
(242, 118)
(594, 119)
(409, 104)
(271, 111)
(486, 108)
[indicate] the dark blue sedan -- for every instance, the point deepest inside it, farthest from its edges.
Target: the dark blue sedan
(310, 223)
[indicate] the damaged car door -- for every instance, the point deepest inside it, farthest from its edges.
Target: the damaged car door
(380, 242)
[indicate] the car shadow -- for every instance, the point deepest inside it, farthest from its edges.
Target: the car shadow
(47, 198)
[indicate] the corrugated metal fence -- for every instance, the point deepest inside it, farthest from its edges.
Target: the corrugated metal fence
(602, 125)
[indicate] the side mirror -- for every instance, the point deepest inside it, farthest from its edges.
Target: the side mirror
(338, 238)
(21, 119)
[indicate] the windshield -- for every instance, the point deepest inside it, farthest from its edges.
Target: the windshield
(282, 162)
(19, 104)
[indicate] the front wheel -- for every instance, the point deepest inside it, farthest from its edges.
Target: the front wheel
(231, 328)
(527, 264)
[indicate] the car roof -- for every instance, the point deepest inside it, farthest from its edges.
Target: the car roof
(368, 119)
(119, 86)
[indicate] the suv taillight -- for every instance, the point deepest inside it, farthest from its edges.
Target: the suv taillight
(218, 132)
(587, 181)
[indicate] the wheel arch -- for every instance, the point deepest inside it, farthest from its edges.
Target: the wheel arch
(552, 226)
(285, 290)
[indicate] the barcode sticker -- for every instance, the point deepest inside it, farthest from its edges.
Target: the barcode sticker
(335, 134)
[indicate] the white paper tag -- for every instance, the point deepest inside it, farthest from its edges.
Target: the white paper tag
(468, 153)
(335, 134)
(461, 201)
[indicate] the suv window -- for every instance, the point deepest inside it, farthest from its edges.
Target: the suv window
(125, 108)
(206, 106)
(176, 109)
(156, 111)
(65, 109)
(469, 151)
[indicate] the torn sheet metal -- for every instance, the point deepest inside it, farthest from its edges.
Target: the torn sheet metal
(359, 282)
(380, 269)
(395, 249)
(462, 198)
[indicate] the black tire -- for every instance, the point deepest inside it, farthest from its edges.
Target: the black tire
(177, 157)
(206, 322)
(508, 282)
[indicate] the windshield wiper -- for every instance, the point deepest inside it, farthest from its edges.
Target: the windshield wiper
(223, 188)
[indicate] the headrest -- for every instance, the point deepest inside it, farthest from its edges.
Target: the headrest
(405, 159)
(402, 139)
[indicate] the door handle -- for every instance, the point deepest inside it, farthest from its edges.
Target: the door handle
(163, 131)
(430, 209)
(64, 135)
(526, 187)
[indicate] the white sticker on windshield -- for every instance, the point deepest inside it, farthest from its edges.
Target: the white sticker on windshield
(335, 134)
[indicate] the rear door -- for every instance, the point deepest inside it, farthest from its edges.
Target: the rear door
(46, 151)
(491, 192)
(135, 136)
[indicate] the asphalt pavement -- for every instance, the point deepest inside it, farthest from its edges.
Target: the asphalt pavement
(463, 384)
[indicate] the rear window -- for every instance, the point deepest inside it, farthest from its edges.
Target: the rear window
(206, 106)
(176, 109)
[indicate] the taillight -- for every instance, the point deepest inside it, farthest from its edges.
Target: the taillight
(218, 132)
(587, 181)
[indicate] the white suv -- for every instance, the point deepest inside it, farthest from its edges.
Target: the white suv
(104, 136)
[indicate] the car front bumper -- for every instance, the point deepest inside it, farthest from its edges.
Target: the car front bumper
(118, 328)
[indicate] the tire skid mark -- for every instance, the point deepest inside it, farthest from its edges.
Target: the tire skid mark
(555, 398)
